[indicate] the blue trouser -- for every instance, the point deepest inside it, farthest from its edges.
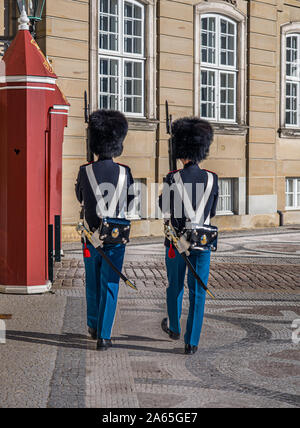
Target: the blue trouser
(176, 269)
(102, 288)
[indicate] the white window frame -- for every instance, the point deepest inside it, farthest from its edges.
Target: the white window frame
(289, 30)
(123, 56)
(231, 195)
(121, 83)
(293, 80)
(295, 193)
(139, 187)
(229, 12)
(219, 68)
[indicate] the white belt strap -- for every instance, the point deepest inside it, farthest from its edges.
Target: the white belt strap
(195, 216)
(102, 211)
(207, 194)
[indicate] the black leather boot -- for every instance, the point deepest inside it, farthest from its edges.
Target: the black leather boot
(103, 344)
(190, 349)
(92, 333)
(165, 328)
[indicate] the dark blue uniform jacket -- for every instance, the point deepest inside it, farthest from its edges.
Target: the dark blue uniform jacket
(106, 171)
(191, 173)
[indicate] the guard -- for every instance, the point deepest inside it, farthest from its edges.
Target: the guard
(188, 202)
(104, 187)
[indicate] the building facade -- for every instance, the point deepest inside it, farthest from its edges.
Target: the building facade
(235, 63)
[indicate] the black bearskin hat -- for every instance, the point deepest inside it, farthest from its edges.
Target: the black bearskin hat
(107, 131)
(192, 138)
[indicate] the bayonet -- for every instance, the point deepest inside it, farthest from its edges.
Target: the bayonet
(172, 155)
(89, 154)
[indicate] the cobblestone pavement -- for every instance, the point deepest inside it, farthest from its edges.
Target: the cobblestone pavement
(246, 357)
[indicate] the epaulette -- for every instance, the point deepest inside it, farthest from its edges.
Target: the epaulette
(208, 170)
(126, 166)
(176, 170)
(87, 164)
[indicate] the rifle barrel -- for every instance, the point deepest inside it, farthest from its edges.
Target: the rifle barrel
(168, 118)
(86, 115)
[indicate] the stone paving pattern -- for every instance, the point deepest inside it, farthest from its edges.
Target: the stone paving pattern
(246, 356)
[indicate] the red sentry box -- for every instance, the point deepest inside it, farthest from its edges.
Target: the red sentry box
(33, 115)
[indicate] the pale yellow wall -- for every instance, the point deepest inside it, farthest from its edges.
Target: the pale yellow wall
(64, 36)
(1, 17)
(287, 150)
(263, 104)
(176, 63)
(3, 29)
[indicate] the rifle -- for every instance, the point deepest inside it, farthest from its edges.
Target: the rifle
(89, 154)
(172, 155)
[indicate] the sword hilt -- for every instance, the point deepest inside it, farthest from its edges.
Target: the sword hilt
(185, 253)
(97, 244)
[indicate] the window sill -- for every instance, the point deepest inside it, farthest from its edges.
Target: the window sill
(136, 124)
(229, 128)
(222, 213)
(289, 132)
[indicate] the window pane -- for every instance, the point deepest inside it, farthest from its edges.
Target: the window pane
(114, 7)
(292, 192)
(291, 103)
(227, 43)
(208, 40)
(227, 96)
(103, 41)
(137, 87)
(231, 28)
(292, 55)
(138, 70)
(208, 92)
(289, 185)
(128, 69)
(138, 12)
(289, 200)
(133, 29)
(103, 84)
(104, 6)
(128, 9)
(128, 45)
(113, 103)
(137, 45)
(225, 203)
(133, 87)
(223, 112)
(137, 28)
(113, 25)
(113, 41)
(128, 27)
(137, 104)
(104, 23)
(109, 25)
(109, 83)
